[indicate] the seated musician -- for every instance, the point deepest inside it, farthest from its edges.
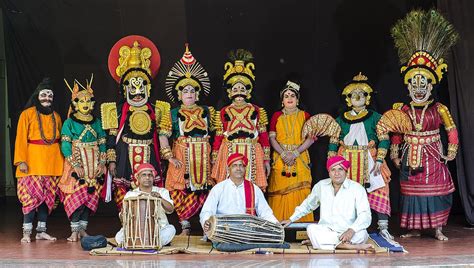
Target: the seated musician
(235, 195)
(145, 175)
(345, 210)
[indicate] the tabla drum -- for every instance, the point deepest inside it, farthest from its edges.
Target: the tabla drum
(244, 229)
(140, 218)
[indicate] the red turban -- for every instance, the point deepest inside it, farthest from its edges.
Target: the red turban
(337, 160)
(236, 157)
(144, 167)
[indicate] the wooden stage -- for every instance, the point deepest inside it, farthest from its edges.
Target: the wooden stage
(459, 250)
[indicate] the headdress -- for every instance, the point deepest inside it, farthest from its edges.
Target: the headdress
(78, 91)
(236, 157)
(337, 160)
(239, 69)
(359, 81)
(291, 86)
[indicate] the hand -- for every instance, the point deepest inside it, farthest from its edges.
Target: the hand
(377, 169)
(207, 226)
(347, 235)
(267, 168)
(79, 171)
(396, 162)
(186, 183)
(285, 223)
(291, 158)
(23, 167)
(112, 167)
(176, 163)
(100, 170)
(155, 194)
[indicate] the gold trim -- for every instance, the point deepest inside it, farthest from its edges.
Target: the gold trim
(108, 112)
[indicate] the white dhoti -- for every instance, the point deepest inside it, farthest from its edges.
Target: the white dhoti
(322, 237)
(167, 234)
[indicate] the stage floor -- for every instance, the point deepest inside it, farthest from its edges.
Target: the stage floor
(422, 251)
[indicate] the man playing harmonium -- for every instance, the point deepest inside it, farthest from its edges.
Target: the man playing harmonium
(145, 174)
(345, 210)
(240, 198)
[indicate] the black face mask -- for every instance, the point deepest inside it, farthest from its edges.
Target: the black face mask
(41, 108)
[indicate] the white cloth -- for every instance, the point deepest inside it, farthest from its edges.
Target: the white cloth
(227, 198)
(357, 133)
(349, 208)
(167, 231)
(322, 237)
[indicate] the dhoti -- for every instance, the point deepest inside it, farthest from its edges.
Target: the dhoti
(322, 237)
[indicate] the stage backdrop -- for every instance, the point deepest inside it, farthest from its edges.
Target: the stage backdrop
(325, 43)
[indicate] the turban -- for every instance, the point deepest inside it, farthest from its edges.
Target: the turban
(337, 160)
(144, 167)
(236, 157)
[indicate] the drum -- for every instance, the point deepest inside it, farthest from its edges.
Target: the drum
(244, 229)
(140, 218)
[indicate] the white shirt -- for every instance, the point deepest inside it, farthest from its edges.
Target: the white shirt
(165, 194)
(349, 208)
(227, 198)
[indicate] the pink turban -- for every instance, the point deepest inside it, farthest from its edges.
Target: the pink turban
(337, 160)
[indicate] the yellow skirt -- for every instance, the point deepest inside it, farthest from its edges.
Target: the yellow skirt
(284, 205)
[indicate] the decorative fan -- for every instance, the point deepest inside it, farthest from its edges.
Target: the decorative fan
(321, 125)
(394, 121)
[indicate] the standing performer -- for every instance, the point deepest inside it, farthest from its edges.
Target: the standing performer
(422, 38)
(360, 144)
(290, 180)
(189, 126)
(38, 159)
(241, 126)
(83, 146)
(132, 133)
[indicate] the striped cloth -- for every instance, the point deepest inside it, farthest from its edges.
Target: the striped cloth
(187, 204)
(34, 190)
(80, 197)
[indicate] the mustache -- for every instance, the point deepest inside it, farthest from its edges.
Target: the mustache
(239, 95)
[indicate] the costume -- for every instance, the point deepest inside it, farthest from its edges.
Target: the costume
(349, 208)
(422, 38)
(359, 143)
(132, 122)
(83, 146)
(189, 126)
(37, 148)
(241, 126)
(289, 184)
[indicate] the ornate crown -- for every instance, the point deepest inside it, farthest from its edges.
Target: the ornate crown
(359, 81)
(240, 69)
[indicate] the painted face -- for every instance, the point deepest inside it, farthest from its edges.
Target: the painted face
(420, 88)
(146, 178)
(239, 92)
(136, 88)
(290, 99)
(188, 95)
(237, 170)
(85, 105)
(45, 97)
(358, 98)
(337, 174)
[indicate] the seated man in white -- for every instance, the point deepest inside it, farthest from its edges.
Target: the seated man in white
(345, 211)
(233, 196)
(145, 175)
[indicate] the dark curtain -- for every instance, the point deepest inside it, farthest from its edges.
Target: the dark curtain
(461, 91)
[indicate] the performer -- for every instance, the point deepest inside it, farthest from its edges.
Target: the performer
(146, 174)
(38, 159)
(359, 143)
(132, 133)
(189, 126)
(83, 146)
(422, 38)
(241, 126)
(345, 210)
(235, 195)
(290, 179)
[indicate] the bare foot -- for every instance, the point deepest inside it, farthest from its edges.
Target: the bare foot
(74, 237)
(185, 232)
(45, 236)
(82, 234)
(440, 236)
(366, 247)
(411, 234)
(306, 242)
(26, 239)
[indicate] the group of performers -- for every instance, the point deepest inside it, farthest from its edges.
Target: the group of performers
(121, 154)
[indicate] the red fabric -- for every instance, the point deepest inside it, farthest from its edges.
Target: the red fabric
(337, 160)
(306, 115)
(453, 136)
(236, 157)
(145, 166)
(33, 190)
(249, 197)
(41, 142)
(274, 120)
(80, 197)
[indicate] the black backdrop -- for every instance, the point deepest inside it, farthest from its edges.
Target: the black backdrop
(325, 42)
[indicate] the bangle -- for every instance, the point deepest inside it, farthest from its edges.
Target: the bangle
(166, 153)
(296, 153)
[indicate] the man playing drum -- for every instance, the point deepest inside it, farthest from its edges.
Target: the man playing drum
(235, 195)
(345, 210)
(146, 173)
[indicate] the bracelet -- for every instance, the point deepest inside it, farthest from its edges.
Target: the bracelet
(296, 153)
(166, 153)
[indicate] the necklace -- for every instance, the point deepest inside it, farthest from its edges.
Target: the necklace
(419, 125)
(83, 117)
(289, 132)
(287, 111)
(43, 137)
